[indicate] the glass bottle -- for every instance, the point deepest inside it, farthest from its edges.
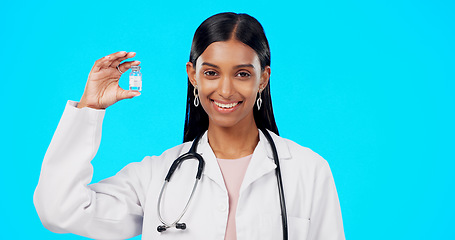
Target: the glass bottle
(136, 78)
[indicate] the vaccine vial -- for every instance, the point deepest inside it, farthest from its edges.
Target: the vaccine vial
(136, 78)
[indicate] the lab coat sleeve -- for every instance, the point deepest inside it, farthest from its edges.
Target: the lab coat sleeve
(64, 200)
(325, 219)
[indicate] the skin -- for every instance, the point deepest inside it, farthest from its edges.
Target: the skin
(226, 72)
(229, 73)
(102, 89)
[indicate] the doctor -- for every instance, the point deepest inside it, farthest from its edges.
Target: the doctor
(237, 196)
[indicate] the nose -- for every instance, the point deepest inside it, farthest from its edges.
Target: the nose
(226, 87)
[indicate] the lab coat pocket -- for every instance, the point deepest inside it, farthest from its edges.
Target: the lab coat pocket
(298, 227)
(271, 227)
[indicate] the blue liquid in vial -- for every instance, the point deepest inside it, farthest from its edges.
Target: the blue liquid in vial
(135, 88)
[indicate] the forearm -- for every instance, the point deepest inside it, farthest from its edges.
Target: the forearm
(66, 171)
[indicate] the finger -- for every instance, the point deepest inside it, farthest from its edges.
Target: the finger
(114, 57)
(127, 65)
(125, 94)
(117, 61)
(106, 61)
(101, 63)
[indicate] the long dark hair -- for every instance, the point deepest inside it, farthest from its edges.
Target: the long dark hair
(223, 27)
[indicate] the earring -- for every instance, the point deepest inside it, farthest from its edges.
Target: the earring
(259, 101)
(196, 97)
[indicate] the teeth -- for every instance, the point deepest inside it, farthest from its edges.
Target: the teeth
(229, 105)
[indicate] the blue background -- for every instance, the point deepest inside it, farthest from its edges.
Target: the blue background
(366, 84)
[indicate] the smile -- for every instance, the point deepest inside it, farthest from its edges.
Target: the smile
(227, 106)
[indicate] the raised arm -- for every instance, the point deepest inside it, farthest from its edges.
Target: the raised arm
(64, 199)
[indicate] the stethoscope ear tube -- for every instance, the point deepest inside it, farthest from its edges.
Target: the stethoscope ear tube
(191, 154)
(186, 156)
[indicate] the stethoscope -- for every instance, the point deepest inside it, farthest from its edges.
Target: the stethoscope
(192, 154)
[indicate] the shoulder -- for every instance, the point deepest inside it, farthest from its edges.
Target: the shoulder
(151, 165)
(167, 156)
(304, 166)
(298, 154)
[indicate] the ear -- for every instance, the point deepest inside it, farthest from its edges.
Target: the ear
(191, 73)
(265, 76)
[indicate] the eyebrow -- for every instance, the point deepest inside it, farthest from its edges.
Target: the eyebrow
(238, 66)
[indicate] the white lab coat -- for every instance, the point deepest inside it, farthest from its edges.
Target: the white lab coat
(125, 205)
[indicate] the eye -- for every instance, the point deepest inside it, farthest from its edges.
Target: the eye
(244, 74)
(210, 73)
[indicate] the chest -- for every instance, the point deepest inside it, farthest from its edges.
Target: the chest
(258, 211)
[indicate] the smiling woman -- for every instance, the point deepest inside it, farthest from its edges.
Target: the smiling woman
(228, 90)
(252, 45)
(230, 129)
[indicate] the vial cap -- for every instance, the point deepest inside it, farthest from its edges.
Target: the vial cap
(135, 68)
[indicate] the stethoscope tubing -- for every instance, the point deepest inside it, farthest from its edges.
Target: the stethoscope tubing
(284, 221)
(167, 225)
(192, 154)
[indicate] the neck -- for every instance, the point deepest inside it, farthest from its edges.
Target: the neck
(233, 142)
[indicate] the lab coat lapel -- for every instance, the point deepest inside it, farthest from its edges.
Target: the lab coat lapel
(262, 161)
(211, 170)
(259, 165)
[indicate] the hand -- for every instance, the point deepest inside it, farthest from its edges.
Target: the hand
(102, 89)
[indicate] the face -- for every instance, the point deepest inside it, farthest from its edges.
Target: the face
(228, 77)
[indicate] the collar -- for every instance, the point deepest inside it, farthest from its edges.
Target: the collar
(261, 163)
(280, 144)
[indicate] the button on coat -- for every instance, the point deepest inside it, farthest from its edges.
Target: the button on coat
(125, 205)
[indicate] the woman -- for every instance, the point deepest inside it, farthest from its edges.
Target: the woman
(237, 196)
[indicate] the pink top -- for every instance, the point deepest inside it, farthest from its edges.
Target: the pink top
(233, 171)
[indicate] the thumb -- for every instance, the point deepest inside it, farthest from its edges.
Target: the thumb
(124, 94)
